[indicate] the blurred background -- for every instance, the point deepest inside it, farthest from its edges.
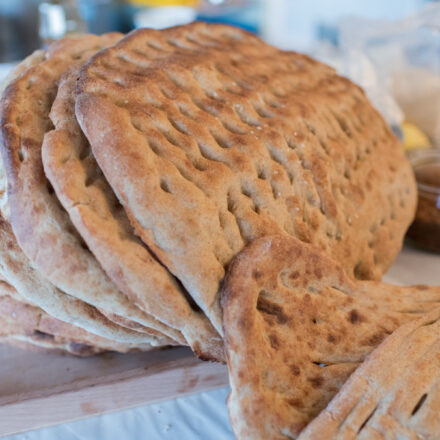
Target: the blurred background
(391, 48)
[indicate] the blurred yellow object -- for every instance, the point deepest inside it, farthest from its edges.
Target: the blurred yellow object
(155, 3)
(413, 137)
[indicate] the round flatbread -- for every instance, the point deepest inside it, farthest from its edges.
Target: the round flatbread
(97, 215)
(99, 325)
(395, 393)
(42, 228)
(22, 321)
(16, 269)
(296, 327)
(211, 138)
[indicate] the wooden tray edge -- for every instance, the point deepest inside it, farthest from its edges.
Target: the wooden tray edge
(184, 377)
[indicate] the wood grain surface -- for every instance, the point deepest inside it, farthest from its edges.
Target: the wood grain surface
(38, 390)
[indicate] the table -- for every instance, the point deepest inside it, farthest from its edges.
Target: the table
(204, 415)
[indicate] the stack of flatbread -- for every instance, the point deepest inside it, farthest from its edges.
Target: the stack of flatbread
(136, 168)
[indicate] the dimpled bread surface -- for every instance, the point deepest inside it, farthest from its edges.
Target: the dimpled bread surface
(211, 138)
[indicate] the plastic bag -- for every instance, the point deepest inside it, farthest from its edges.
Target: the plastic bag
(396, 63)
(405, 56)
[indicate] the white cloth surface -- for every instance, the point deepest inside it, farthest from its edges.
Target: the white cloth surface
(200, 416)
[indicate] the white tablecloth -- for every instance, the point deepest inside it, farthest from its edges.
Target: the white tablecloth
(203, 416)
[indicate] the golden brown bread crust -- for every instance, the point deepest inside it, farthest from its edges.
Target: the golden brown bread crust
(42, 228)
(33, 60)
(29, 343)
(395, 393)
(296, 327)
(208, 145)
(19, 326)
(22, 321)
(104, 226)
(16, 269)
(47, 344)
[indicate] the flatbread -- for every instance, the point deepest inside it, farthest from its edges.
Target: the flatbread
(99, 323)
(19, 327)
(16, 269)
(42, 228)
(48, 344)
(395, 393)
(33, 59)
(29, 323)
(296, 327)
(100, 219)
(211, 138)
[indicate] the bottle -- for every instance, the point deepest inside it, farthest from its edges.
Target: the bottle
(57, 19)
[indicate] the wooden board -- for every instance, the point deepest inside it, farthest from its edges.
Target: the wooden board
(38, 390)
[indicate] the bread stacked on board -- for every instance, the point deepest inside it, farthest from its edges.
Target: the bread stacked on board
(138, 167)
(42, 256)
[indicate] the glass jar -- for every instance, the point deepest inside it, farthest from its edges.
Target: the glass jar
(425, 230)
